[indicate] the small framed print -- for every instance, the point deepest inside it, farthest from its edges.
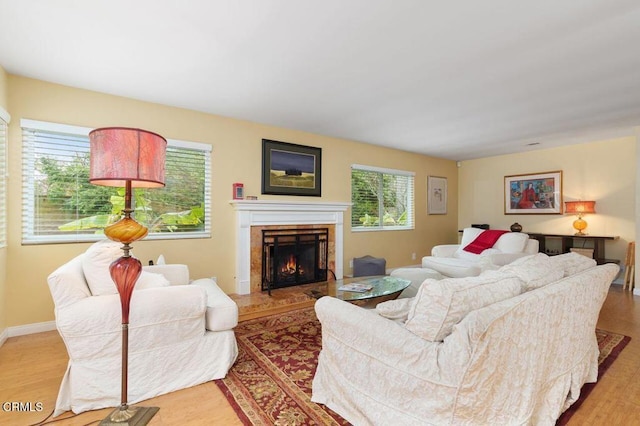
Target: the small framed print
(436, 195)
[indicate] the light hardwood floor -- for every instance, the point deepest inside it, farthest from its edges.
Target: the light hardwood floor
(31, 368)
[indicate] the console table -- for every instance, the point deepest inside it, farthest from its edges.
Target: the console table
(577, 241)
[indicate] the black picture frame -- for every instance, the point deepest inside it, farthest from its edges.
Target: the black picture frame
(291, 169)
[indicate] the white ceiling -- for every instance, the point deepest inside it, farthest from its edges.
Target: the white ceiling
(453, 79)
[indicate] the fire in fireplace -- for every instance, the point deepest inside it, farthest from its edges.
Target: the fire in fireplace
(293, 257)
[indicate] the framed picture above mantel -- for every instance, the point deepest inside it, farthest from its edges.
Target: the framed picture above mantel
(291, 169)
(534, 193)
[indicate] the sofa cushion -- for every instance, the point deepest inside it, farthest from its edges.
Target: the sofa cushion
(572, 263)
(439, 305)
(535, 271)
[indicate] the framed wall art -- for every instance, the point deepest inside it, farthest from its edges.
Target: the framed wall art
(537, 193)
(436, 195)
(291, 169)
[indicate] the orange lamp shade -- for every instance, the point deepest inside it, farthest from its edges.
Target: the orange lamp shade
(580, 207)
(120, 154)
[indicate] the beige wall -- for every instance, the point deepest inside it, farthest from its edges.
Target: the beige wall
(236, 158)
(604, 171)
(3, 251)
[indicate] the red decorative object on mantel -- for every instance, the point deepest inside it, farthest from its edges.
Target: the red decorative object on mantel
(238, 191)
(122, 156)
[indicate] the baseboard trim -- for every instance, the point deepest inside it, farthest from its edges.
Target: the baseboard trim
(39, 327)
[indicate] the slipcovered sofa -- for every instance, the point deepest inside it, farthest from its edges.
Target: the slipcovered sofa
(180, 332)
(511, 346)
(452, 260)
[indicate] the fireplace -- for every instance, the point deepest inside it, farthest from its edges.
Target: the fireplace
(294, 256)
(252, 216)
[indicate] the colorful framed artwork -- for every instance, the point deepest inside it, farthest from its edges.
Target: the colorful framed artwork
(537, 193)
(436, 195)
(291, 169)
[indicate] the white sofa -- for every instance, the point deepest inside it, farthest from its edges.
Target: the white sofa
(512, 346)
(179, 335)
(452, 260)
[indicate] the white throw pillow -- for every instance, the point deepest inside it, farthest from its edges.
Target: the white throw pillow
(95, 264)
(151, 280)
(177, 274)
(511, 242)
(468, 236)
(396, 310)
(440, 305)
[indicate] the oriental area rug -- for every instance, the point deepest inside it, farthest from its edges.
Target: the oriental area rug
(270, 383)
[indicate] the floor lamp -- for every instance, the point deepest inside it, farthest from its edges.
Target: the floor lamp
(129, 158)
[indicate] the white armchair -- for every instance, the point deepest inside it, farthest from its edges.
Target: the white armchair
(452, 260)
(179, 335)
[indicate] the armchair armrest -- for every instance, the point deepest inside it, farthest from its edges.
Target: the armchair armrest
(444, 250)
(222, 311)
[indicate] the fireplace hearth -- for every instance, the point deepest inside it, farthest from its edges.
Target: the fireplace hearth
(294, 256)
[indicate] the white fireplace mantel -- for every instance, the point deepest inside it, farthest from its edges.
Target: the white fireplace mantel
(272, 212)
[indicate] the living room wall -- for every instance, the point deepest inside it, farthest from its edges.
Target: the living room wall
(3, 250)
(604, 171)
(236, 157)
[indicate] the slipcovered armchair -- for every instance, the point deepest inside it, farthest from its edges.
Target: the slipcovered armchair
(180, 332)
(452, 260)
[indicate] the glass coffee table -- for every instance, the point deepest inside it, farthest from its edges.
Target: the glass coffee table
(383, 288)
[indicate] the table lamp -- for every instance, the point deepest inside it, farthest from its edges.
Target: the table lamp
(580, 208)
(129, 158)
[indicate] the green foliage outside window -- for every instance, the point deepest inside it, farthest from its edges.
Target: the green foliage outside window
(375, 195)
(66, 186)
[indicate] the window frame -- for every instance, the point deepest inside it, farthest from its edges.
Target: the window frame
(28, 184)
(410, 199)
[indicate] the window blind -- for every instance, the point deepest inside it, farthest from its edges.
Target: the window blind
(382, 199)
(60, 205)
(4, 120)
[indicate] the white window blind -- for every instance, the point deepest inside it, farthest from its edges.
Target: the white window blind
(60, 205)
(4, 120)
(382, 199)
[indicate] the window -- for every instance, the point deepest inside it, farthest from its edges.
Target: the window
(382, 199)
(60, 205)
(4, 120)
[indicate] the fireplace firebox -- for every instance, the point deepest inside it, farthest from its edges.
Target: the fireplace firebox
(294, 256)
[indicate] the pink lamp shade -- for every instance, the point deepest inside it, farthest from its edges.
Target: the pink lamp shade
(580, 207)
(120, 154)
